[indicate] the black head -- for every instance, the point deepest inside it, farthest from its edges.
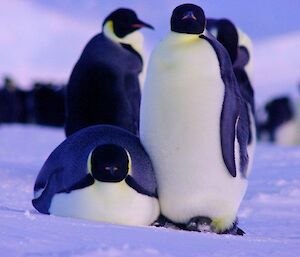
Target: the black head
(109, 163)
(125, 21)
(189, 19)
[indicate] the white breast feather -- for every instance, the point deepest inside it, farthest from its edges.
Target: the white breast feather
(108, 202)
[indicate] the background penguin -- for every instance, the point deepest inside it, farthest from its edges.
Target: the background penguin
(194, 127)
(281, 124)
(240, 50)
(104, 85)
(13, 103)
(48, 104)
(100, 173)
(237, 42)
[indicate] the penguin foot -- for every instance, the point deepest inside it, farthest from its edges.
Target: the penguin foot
(204, 224)
(160, 222)
(163, 221)
(200, 224)
(234, 230)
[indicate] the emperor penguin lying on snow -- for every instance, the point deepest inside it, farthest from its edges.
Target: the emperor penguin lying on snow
(100, 173)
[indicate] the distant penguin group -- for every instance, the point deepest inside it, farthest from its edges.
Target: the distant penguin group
(178, 153)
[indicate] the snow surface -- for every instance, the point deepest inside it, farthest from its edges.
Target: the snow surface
(269, 213)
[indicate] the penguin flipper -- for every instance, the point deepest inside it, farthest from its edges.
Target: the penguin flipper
(45, 188)
(229, 117)
(55, 183)
(134, 185)
(244, 137)
(230, 109)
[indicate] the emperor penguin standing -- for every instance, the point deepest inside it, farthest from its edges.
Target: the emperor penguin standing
(104, 85)
(194, 128)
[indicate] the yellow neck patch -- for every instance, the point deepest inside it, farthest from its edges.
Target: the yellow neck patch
(135, 39)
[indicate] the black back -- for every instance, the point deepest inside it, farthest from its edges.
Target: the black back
(104, 87)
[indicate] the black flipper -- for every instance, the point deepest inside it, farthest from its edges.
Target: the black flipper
(54, 185)
(244, 136)
(133, 184)
(247, 94)
(231, 104)
(43, 202)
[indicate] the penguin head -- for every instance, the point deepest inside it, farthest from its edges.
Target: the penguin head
(188, 19)
(124, 21)
(109, 163)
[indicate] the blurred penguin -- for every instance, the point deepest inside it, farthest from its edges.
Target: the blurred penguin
(48, 104)
(282, 122)
(13, 103)
(104, 86)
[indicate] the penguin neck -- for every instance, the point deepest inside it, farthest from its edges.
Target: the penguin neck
(134, 39)
(176, 37)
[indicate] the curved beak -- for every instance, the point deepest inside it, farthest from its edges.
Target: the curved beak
(140, 24)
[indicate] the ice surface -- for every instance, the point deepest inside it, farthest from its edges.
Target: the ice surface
(269, 213)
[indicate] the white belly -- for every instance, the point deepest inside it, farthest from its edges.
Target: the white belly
(180, 128)
(108, 202)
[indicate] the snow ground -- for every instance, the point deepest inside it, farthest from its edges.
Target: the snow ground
(269, 213)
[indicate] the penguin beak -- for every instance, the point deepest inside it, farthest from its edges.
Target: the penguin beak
(111, 169)
(140, 24)
(189, 15)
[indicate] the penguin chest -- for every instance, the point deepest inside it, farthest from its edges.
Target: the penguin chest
(182, 106)
(180, 129)
(107, 202)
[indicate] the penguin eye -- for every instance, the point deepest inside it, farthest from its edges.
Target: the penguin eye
(115, 168)
(107, 168)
